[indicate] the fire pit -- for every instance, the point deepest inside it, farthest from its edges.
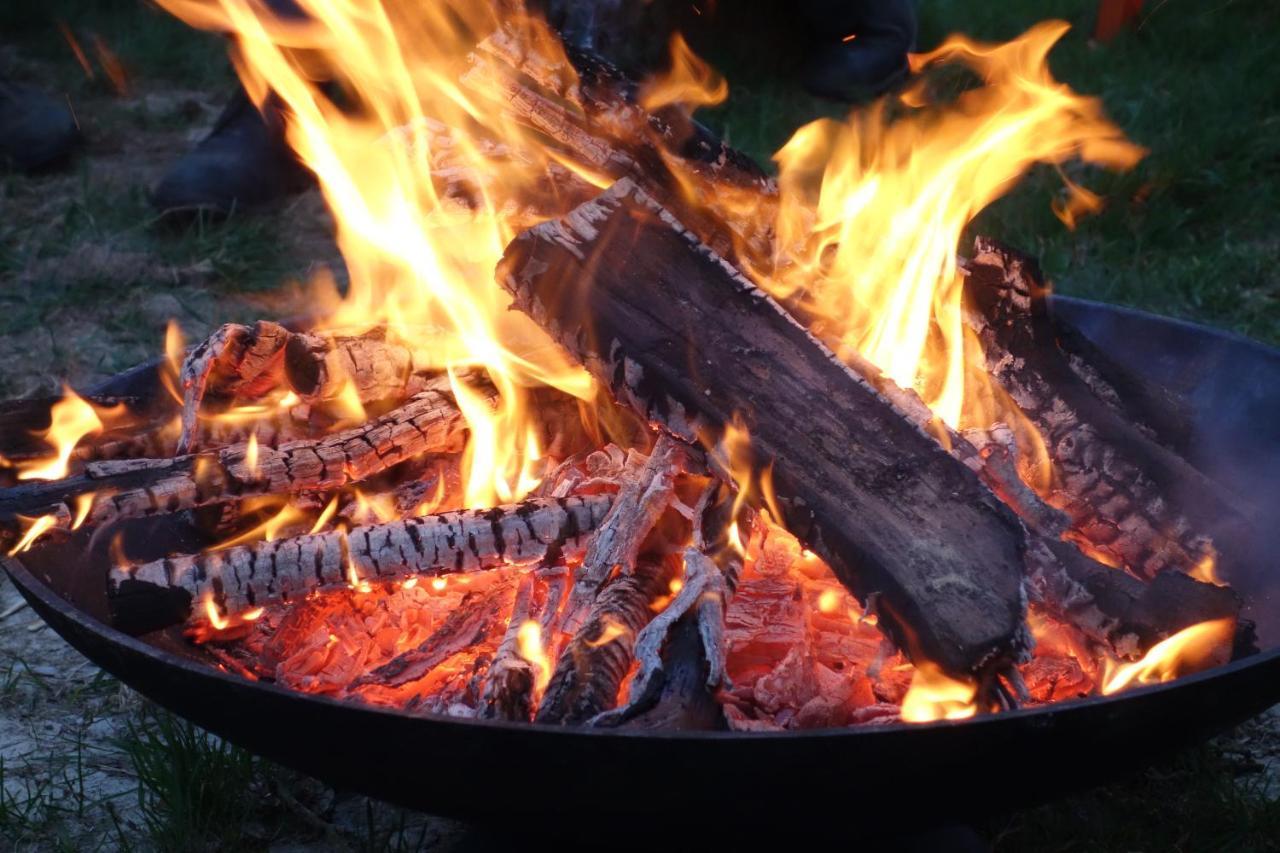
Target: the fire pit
(620, 454)
(450, 766)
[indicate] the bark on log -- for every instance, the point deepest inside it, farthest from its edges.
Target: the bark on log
(1127, 496)
(590, 670)
(172, 590)
(430, 422)
(680, 337)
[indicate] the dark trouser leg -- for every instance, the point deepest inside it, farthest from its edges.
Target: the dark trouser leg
(859, 46)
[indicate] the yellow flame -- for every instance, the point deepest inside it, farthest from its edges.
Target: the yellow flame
(267, 530)
(175, 350)
(84, 503)
(326, 515)
(71, 419)
(935, 696)
(872, 210)
(420, 255)
(216, 619)
(529, 645)
(689, 83)
(611, 630)
(34, 532)
(1190, 650)
(251, 454)
(1206, 570)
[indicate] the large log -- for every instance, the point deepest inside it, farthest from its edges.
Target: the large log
(679, 336)
(1128, 496)
(163, 592)
(430, 422)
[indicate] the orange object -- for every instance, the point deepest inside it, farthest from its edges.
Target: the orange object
(1115, 15)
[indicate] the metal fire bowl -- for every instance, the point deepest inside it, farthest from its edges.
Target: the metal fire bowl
(493, 770)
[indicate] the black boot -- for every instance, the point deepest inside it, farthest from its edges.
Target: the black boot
(860, 46)
(36, 131)
(244, 164)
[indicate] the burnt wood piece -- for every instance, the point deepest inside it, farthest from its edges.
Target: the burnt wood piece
(675, 654)
(1127, 496)
(172, 590)
(679, 336)
(639, 504)
(468, 625)
(1111, 606)
(248, 362)
(590, 669)
(509, 684)
(430, 422)
(588, 110)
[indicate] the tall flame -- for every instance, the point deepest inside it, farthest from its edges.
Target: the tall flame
(421, 262)
(872, 210)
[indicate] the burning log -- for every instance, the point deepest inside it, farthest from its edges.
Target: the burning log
(675, 654)
(508, 693)
(591, 668)
(680, 337)
(246, 363)
(589, 110)
(1127, 496)
(639, 504)
(1113, 607)
(429, 423)
(537, 532)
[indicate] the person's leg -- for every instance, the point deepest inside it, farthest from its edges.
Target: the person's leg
(36, 131)
(244, 164)
(860, 46)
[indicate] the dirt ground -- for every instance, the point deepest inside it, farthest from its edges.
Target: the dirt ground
(91, 277)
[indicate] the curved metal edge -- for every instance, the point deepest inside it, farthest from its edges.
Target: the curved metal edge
(46, 602)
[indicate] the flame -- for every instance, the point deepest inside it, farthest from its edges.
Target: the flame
(828, 601)
(936, 696)
(175, 351)
(37, 529)
(1206, 570)
(530, 647)
(216, 619)
(611, 630)
(1190, 650)
(84, 504)
(417, 256)
(70, 419)
(871, 211)
(689, 83)
(251, 454)
(268, 530)
(326, 515)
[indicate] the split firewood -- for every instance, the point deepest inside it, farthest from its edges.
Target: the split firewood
(616, 546)
(588, 109)
(472, 622)
(508, 691)
(246, 363)
(429, 423)
(1128, 496)
(175, 589)
(680, 337)
(1110, 606)
(590, 669)
(685, 685)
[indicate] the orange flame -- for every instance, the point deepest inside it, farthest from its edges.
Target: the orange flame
(872, 210)
(1190, 650)
(936, 696)
(690, 83)
(417, 257)
(529, 646)
(37, 529)
(71, 419)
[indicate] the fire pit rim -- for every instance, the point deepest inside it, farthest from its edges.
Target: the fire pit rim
(35, 590)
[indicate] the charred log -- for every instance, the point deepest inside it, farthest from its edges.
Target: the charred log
(1127, 495)
(680, 337)
(431, 422)
(236, 580)
(590, 670)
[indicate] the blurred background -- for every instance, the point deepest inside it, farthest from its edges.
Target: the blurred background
(90, 274)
